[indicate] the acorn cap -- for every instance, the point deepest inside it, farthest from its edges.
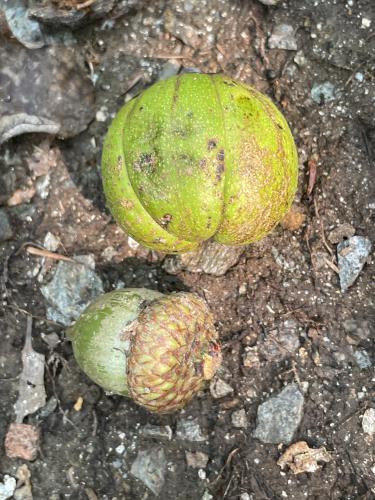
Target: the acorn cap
(174, 349)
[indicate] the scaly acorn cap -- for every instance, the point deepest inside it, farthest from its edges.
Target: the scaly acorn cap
(173, 350)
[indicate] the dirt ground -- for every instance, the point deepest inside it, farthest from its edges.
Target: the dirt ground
(285, 283)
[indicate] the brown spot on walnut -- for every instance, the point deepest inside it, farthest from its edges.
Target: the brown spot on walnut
(203, 163)
(165, 220)
(220, 155)
(127, 204)
(145, 163)
(219, 171)
(212, 143)
(119, 164)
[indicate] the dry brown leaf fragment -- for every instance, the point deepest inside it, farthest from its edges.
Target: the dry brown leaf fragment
(293, 219)
(42, 159)
(31, 391)
(313, 173)
(23, 491)
(299, 457)
(22, 441)
(21, 196)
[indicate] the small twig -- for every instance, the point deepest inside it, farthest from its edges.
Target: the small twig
(41, 252)
(83, 5)
(331, 265)
(132, 82)
(228, 461)
(313, 173)
(322, 228)
(94, 423)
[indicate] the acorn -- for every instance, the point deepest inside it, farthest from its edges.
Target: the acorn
(157, 349)
(198, 157)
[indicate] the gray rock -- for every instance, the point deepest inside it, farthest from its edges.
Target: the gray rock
(362, 359)
(150, 467)
(368, 421)
(323, 92)
(157, 431)
(351, 257)
(219, 388)
(5, 229)
(279, 416)
(190, 430)
(210, 258)
(25, 30)
(282, 37)
(73, 286)
(239, 419)
(45, 90)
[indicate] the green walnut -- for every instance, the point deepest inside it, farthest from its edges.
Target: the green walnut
(196, 157)
(157, 349)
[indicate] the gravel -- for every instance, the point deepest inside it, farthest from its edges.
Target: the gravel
(279, 416)
(351, 256)
(283, 38)
(190, 430)
(150, 467)
(239, 419)
(73, 286)
(219, 388)
(368, 421)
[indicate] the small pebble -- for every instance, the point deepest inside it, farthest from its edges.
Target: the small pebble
(150, 467)
(161, 432)
(282, 38)
(245, 496)
(279, 417)
(323, 92)
(120, 449)
(362, 359)
(366, 23)
(351, 257)
(219, 388)
(368, 421)
(202, 474)
(197, 460)
(239, 419)
(190, 430)
(7, 487)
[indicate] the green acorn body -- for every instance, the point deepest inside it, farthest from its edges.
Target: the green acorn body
(157, 349)
(196, 157)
